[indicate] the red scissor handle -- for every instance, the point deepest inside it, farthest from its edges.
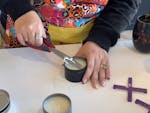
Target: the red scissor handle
(46, 46)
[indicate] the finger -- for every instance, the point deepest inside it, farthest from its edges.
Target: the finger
(25, 36)
(103, 67)
(102, 76)
(44, 33)
(21, 39)
(40, 34)
(38, 39)
(31, 37)
(94, 78)
(107, 72)
(44, 29)
(89, 70)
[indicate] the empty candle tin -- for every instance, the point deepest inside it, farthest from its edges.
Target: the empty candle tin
(4, 101)
(73, 73)
(57, 103)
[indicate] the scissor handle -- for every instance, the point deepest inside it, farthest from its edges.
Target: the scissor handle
(46, 46)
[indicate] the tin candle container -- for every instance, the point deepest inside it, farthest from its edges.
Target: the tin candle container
(73, 73)
(57, 103)
(4, 101)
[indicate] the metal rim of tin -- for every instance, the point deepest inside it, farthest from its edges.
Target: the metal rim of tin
(56, 95)
(4, 101)
(77, 58)
(142, 17)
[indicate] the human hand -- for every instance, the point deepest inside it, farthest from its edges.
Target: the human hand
(98, 67)
(29, 29)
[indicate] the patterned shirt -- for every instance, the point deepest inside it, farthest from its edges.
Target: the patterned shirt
(61, 13)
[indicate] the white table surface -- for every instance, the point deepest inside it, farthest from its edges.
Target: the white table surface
(30, 76)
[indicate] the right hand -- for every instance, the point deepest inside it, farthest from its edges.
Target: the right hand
(29, 29)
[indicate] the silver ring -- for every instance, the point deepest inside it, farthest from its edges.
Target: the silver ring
(38, 36)
(104, 66)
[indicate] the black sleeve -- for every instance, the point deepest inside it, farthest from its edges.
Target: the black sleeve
(15, 8)
(2, 3)
(115, 17)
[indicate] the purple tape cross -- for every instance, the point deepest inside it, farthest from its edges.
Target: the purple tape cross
(143, 104)
(130, 89)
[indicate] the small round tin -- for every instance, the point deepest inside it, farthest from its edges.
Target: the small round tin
(4, 101)
(57, 103)
(74, 74)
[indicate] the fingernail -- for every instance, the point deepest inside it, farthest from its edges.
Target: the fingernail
(103, 83)
(23, 43)
(96, 87)
(108, 78)
(84, 81)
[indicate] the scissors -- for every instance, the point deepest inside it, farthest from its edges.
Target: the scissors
(49, 47)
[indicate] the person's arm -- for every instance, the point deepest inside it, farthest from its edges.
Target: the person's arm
(28, 25)
(2, 3)
(15, 8)
(116, 16)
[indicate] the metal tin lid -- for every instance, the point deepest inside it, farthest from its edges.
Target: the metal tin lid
(4, 100)
(57, 103)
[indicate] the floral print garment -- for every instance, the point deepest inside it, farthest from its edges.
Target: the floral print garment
(61, 13)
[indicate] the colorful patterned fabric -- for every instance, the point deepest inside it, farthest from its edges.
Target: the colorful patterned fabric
(61, 15)
(10, 41)
(70, 13)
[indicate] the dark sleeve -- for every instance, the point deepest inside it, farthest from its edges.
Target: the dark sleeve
(2, 3)
(16, 8)
(115, 17)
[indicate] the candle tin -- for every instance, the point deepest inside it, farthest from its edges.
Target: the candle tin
(57, 103)
(74, 74)
(4, 101)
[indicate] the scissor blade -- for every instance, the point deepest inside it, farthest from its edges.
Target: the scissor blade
(47, 46)
(59, 53)
(67, 58)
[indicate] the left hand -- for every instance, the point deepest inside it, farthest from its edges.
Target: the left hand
(97, 58)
